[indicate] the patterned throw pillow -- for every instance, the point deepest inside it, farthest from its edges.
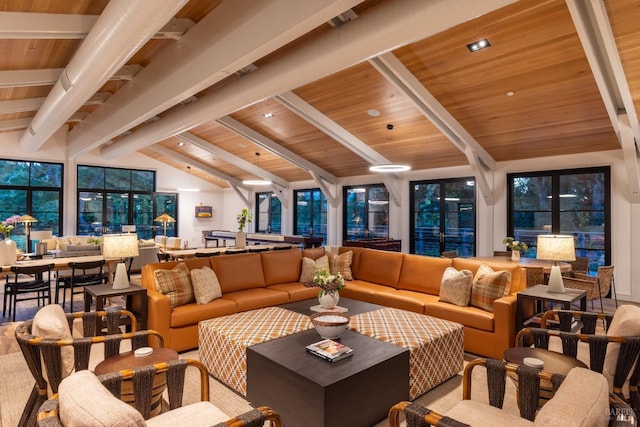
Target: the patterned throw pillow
(485, 269)
(310, 266)
(175, 284)
(341, 264)
(206, 286)
(489, 287)
(456, 286)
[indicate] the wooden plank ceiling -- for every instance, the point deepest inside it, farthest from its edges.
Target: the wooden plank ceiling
(532, 93)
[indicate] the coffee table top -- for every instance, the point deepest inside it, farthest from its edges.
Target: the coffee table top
(128, 360)
(554, 362)
(290, 351)
(353, 306)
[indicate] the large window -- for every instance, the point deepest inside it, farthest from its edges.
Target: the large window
(33, 188)
(366, 212)
(310, 213)
(443, 214)
(268, 213)
(574, 202)
(109, 198)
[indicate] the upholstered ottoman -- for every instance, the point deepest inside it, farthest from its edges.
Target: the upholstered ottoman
(223, 340)
(435, 345)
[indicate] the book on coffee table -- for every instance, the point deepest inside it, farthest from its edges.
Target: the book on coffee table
(329, 350)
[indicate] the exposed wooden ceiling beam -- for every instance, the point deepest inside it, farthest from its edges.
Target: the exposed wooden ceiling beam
(594, 30)
(19, 25)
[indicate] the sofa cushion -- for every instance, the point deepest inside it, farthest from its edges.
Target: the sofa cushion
(309, 267)
(314, 253)
(206, 286)
(456, 286)
(470, 317)
(422, 273)
(485, 269)
(341, 264)
(51, 322)
(380, 267)
(78, 396)
(487, 288)
(238, 272)
(175, 284)
(281, 266)
(518, 274)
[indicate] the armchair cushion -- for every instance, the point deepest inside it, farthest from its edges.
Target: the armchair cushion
(206, 286)
(175, 284)
(78, 395)
(203, 414)
(51, 322)
(456, 286)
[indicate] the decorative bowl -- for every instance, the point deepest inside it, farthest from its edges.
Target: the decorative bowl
(330, 325)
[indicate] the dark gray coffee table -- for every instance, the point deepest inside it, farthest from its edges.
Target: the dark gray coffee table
(309, 391)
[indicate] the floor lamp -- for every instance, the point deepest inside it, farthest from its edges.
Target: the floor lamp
(165, 218)
(28, 220)
(556, 248)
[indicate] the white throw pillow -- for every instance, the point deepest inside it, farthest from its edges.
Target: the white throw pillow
(206, 285)
(455, 286)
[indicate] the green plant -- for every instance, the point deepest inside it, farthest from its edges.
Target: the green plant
(514, 245)
(93, 241)
(243, 218)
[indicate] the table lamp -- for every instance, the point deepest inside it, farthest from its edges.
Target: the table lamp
(28, 220)
(41, 235)
(165, 218)
(556, 248)
(120, 246)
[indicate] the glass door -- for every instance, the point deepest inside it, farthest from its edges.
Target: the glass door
(310, 214)
(443, 217)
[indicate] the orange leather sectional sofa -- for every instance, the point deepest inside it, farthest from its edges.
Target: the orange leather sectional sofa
(410, 282)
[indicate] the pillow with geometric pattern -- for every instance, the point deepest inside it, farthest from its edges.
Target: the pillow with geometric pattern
(484, 269)
(206, 286)
(455, 286)
(489, 287)
(175, 284)
(341, 264)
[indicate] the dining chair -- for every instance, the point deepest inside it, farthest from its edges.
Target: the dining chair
(38, 282)
(163, 257)
(82, 274)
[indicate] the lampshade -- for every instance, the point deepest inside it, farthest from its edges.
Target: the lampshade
(41, 234)
(120, 246)
(556, 248)
(165, 217)
(27, 218)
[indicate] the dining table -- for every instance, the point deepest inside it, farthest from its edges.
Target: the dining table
(527, 263)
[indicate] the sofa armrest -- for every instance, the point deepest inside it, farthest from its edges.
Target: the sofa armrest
(504, 312)
(158, 313)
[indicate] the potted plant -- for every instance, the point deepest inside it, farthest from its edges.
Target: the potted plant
(515, 246)
(243, 218)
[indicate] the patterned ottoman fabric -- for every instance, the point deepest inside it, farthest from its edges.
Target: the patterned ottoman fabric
(223, 340)
(435, 345)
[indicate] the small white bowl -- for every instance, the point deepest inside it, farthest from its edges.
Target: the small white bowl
(330, 325)
(533, 362)
(143, 351)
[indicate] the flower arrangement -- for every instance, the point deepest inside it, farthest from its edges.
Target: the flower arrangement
(327, 282)
(243, 218)
(514, 245)
(7, 226)
(93, 241)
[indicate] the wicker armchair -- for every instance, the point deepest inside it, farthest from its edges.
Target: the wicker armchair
(99, 399)
(596, 287)
(614, 354)
(48, 359)
(580, 389)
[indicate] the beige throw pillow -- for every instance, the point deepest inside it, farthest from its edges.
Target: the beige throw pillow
(341, 264)
(78, 396)
(310, 266)
(206, 286)
(625, 323)
(455, 286)
(175, 284)
(485, 269)
(51, 322)
(489, 287)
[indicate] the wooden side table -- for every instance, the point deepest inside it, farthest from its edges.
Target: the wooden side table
(128, 360)
(529, 298)
(102, 292)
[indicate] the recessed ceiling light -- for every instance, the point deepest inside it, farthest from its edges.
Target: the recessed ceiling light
(510, 93)
(480, 44)
(390, 168)
(180, 144)
(267, 115)
(373, 113)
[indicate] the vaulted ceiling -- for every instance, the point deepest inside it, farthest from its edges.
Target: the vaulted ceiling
(289, 90)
